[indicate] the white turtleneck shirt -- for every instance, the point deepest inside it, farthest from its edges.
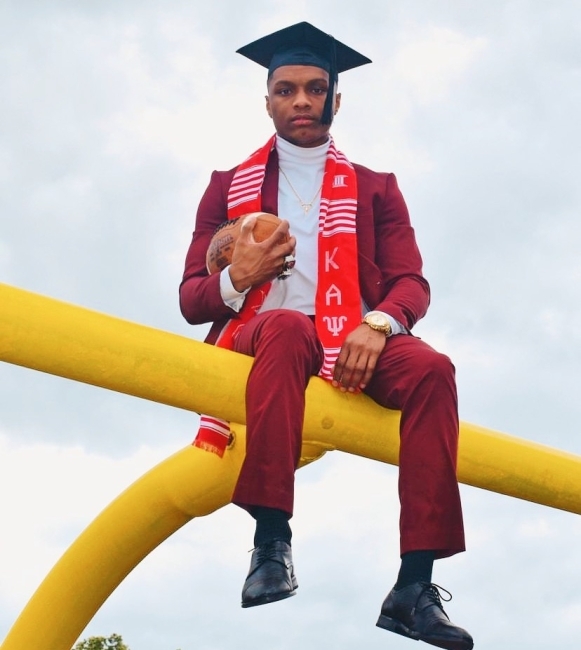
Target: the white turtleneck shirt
(304, 167)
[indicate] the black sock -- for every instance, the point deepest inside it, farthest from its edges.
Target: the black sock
(271, 524)
(416, 566)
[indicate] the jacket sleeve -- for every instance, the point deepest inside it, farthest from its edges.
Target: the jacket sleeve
(404, 292)
(200, 299)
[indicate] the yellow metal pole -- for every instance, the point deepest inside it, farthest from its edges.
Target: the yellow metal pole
(54, 337)
(69, 341)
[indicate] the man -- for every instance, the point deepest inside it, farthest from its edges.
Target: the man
(333, 292)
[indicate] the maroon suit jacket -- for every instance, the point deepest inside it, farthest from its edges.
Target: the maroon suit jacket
(390, 265)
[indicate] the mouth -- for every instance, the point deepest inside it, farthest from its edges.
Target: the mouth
(303, 120)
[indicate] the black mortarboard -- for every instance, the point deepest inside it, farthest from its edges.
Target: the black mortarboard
(304, 44)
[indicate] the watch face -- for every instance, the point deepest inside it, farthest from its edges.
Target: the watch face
(377, 319)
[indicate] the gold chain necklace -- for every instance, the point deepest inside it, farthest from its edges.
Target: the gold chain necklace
(304, 205)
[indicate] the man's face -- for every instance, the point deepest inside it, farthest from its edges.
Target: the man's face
(295, 101)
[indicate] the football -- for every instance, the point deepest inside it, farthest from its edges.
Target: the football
(221, 247)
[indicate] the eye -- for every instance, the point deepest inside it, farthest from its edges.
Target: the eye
(319, 90)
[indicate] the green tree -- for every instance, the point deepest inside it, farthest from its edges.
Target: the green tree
(113, 642)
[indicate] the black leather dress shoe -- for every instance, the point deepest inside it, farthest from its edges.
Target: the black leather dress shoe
(416, 612)
(271, 576)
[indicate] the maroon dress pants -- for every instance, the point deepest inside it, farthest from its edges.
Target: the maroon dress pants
(410, 376)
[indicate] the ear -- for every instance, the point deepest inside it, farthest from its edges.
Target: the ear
(337, 103)
(268, 106)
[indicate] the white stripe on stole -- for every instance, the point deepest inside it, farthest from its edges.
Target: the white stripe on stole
(339, 158)
(244, 199)
(251, 185)
(215, 424)
(245, 185)
(336, 229)
(331, 356)
(338, 204)
(241, 174)
(338, 216)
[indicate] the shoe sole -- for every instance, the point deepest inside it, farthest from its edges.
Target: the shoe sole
(393, 625)
(396, 626)
(268, 598)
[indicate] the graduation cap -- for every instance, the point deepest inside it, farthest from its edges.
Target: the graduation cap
(304, 44)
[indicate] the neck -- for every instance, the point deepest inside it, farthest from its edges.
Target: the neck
(289, 151)
(309, 145)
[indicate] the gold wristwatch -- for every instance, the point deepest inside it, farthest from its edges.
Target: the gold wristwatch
(378, 321)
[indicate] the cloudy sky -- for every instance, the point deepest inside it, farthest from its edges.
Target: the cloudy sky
(113, 115)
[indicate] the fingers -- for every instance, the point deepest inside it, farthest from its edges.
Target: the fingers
(256, 262)
(247, 227)
(279, 242)
(281, 237)
(354, 373)
(357, 360)
(281, 232)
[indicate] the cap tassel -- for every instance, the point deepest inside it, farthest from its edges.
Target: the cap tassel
(328, 108)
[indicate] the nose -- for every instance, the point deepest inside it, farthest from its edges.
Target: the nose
(302, 99)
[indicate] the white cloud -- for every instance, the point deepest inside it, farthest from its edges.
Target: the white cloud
(432, 59)
(50, 494)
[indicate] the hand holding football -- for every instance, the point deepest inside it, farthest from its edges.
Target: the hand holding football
(221, 247)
